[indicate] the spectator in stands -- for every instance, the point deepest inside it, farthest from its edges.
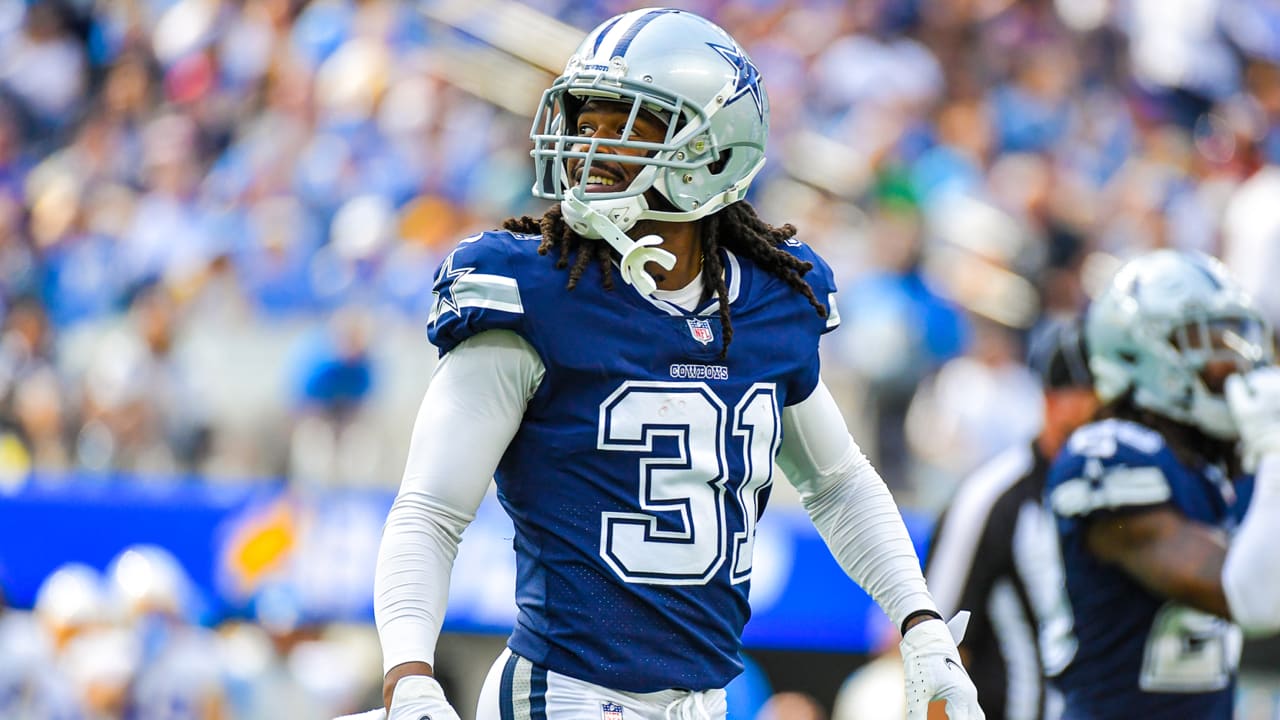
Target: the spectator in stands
(142, 411)
(179, 667)
(332, 442)
(899, 330)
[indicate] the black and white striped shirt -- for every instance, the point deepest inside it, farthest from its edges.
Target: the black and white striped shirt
(995, 553)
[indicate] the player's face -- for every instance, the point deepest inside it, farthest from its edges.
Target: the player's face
(608, 120)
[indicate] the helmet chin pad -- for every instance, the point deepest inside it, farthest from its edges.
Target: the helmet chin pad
(623, 212)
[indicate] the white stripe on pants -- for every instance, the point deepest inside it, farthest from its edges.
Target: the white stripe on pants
(569, 699)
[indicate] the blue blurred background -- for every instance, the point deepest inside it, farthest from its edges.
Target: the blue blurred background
(219, 221)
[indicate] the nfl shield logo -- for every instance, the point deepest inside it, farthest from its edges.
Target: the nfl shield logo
(701, 331)
(610, 711)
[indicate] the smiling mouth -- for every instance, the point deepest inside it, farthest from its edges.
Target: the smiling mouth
(600, 180)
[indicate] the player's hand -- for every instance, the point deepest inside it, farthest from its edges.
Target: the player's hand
(419, 697)
(416, 697)
(1254, 399)
(933, 671)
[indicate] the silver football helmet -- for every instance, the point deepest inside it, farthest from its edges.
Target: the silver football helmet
(1165, 316)
(686, 71)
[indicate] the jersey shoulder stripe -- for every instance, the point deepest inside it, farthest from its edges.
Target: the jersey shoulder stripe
(1111, 489)
(1111, 465)
(477, 288)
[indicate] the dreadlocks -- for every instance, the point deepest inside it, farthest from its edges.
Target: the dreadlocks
(736, 228)
(1189, 444)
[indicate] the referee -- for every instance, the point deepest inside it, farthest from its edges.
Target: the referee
(995, 551)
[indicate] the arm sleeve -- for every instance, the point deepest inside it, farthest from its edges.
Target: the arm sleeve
(1251, 573)
(850, 506)
(478, 394)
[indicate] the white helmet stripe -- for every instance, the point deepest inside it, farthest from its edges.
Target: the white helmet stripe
(620, 34)
(602, 31)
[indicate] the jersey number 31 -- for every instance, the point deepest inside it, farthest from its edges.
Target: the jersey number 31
(689, 478)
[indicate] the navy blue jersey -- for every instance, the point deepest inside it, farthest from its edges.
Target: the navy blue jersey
(643, 460)
(1138, 655)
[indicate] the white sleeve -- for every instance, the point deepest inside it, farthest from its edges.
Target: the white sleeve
(851, 506)
(470, 412)
(1251, 573)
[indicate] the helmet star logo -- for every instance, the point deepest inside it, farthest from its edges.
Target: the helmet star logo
(748, 76)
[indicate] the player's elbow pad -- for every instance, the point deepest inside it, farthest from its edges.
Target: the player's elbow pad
(1251, 572)
(1253, 596)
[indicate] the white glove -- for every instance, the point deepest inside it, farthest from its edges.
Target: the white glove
(1254, 399)
(933, 671)
(416, 697)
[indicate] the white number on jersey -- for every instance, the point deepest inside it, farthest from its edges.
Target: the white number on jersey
(691, 481)
(1189, 651)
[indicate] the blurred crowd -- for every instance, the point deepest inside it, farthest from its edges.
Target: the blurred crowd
(219, 219)
(138, 641)
(129, 642)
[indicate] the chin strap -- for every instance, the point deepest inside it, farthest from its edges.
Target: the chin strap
(635, 253)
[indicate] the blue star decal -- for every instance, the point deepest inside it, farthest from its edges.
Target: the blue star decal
(748, 76)
(448, 277)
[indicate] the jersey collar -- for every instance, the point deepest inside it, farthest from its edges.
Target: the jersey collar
(732, 280)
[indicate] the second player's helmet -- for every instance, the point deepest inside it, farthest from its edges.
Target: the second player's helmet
(1165, 316)
(683, 69)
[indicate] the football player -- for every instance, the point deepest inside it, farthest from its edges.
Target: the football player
(628, 367)
(1164, 566)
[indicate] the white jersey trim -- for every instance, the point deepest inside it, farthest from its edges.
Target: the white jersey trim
(480, 290)
(1114, 488)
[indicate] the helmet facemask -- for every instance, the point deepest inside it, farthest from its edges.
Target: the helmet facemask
(1243, 341)
(1210, 349)
(1184, 367)
(557, 143)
